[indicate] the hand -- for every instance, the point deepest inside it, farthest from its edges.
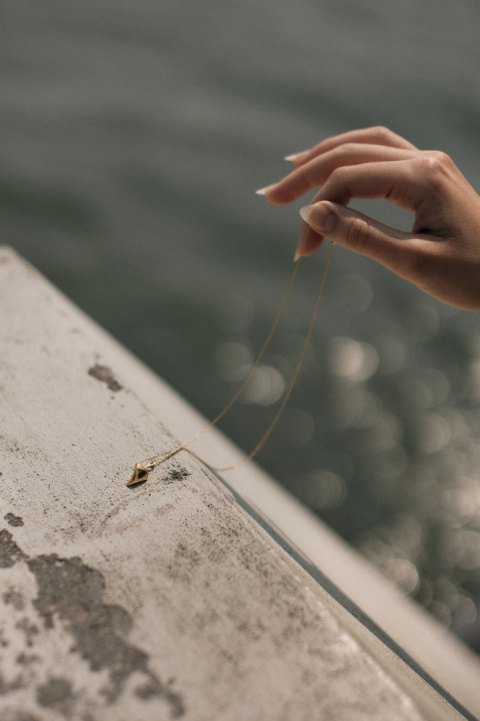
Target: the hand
(442, 253)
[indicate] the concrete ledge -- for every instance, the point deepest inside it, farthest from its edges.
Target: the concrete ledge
(186, 597)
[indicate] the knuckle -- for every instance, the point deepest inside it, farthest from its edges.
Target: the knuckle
(382, 132)
(347, 148)
(435, 163)
(440, 157)
(358, 234)
(437, 160)
(339, 175)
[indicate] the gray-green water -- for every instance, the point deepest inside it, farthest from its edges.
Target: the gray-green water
(132, 138)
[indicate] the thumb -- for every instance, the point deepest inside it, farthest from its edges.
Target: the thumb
(355, 231)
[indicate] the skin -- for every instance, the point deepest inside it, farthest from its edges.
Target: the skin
(442, 253)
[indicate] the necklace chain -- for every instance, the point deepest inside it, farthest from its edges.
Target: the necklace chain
(141, 470)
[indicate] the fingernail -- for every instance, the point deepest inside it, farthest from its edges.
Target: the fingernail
(263, 191)
(301, 243)
(319, 216)
(306, 213)
(296, 156)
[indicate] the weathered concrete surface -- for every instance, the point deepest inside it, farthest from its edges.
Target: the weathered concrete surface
(156, 602)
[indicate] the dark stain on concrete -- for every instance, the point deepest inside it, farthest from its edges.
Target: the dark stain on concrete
(14, 598)
(29, 629)
(57, 694)
(25, 659)
(148, 690)
(72, 592)
(104, 374)
(13, 520)
(178, 474)
(10, 553)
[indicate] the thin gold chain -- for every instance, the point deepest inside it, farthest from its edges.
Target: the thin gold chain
(141, 470)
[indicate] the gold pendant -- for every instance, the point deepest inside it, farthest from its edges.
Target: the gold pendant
(140, 473)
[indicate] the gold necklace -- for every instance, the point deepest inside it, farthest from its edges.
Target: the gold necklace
(142, 470)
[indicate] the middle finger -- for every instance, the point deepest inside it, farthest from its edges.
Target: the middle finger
(317, 171)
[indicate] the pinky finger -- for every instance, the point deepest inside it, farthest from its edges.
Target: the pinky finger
(377, 135)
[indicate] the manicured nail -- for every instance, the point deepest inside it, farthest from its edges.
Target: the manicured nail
(319, 216)
(263, 191)
(301, 243)
(296, 156)
(306, 213)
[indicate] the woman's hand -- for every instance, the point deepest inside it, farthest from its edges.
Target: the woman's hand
(442, 253)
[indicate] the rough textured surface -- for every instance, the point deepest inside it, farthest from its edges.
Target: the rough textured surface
(223, 619)
(160, 601)
(70, 599)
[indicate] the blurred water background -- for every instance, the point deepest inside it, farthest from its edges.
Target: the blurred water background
(132, 138)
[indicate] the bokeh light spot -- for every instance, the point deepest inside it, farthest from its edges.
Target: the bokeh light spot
(353, 360)
(233, 360)
(323, 489)
(265, 387)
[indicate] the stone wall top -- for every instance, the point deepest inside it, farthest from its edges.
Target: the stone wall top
(170, 599)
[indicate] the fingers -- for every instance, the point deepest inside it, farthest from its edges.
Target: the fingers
(371, 136)
(317, 171)
(411, 184)
(398, 251)
(441, 255)
(429, 185)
